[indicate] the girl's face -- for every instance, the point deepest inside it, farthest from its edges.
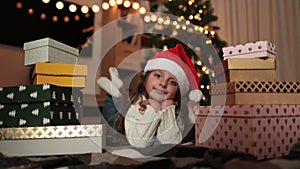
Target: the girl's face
(161, 85)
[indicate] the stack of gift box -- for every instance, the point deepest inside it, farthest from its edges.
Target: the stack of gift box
(43, 118)
(250, 111)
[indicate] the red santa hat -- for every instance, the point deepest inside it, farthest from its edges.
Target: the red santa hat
(176, 62)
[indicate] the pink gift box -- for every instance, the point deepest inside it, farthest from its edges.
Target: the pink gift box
(265, 131)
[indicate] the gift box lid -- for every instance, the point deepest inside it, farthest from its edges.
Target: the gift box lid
(50, 42)
(245, 64)
(40, 92)
(250, 111)
(43, 132)
(249, 48)
(255, 87)
(59, 69)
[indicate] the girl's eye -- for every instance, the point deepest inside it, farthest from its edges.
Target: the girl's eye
(173, 83)
(157, 75)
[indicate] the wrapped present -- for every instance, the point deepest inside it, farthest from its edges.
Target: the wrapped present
(259, 49)
(265, 131)
(245, 64)
(246, 75)
(49, 50)
(52, 140)
(63, 81)
(255, 92)
(39, 105)
(38, 114)
(40, 92)
(60, 74)
(245, 69)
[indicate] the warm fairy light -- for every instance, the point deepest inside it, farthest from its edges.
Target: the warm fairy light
(153, 18)
(30, 11)
(205, 32)
(187, 22)
(95, 8)
(201, 29)
(119, 2)
(66, 19)
(208, 41)
(207, 87)
(72, 8)
(175, 22)
(59, 5)
(167, 22)
(84, 9)
(142, 10)
(147, 19)
(191, 17)
(202, 86)
(46, 1)
(165, 47)
(112, 3)
(76, 17)
(43, 16)
(183, 27)
(190, 2)
(199, 62)
(135, 5)
(204, 68)
(160, 20)
(126, 4)
(207, 72)
(105, 6)
(200, 11)
(212, 33)
(54, 18)
(19, 5)
(177, 26)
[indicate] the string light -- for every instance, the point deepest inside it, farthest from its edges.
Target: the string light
(105, 6)
(59, 5)
(84, 9)
(72, 8)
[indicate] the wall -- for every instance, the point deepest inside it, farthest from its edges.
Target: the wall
(13, 72)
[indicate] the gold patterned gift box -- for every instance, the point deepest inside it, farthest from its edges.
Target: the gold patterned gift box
(255, 92)
(39, 105)
(52, 140)
(245, 69)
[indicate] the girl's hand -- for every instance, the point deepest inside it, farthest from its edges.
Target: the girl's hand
(155, 104)
(167, 103)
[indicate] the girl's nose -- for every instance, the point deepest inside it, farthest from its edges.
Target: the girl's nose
(163, 82)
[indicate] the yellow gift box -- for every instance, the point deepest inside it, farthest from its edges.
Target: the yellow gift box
(65, 75)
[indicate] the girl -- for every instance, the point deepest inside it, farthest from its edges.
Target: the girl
(156, 114)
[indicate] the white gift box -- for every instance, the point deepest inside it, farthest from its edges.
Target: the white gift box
(49, 50)
(259, 49)
(52, 140)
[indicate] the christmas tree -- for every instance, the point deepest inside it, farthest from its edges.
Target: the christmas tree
(193, 17)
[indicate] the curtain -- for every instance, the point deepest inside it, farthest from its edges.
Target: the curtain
(277, 21)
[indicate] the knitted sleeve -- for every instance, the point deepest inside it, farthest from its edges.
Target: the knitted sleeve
(141, 129)
(168, 131)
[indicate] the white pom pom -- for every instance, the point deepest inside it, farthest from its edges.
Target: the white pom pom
(195, 95)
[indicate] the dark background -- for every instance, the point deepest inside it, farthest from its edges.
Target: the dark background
(18, 27)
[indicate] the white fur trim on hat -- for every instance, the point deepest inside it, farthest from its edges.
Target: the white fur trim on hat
(171, 67)
(195, 95)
